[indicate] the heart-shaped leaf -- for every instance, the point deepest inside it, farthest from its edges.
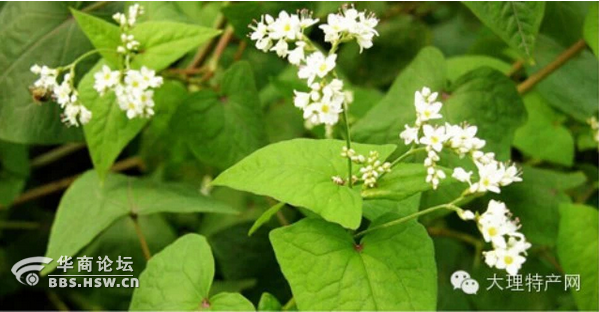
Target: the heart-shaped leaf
(179, 278)
(299, 172)
(389, 270)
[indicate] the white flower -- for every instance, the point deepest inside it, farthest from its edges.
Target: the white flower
(285, 27)
(509, 259)
(47, 79)
(490, 177)
(426, 108)
(328, 112)
(135, 81)
(120, 18)
(105, 79)
(84, 115)
(463, 139)
(433, 138)
(495, 223)
(296, 56)
(509, 245)
(317, 65)
(462, 175)
(434, 176)
(409, 135)
(466, 215)
(282, 48)
(510, 174)
(306, 19)
(70, 115)
(62, 93)
(351, 24)
(149, 77)
(301, 99)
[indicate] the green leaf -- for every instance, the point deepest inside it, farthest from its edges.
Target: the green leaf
(14, 170)
(180, 277)
(265, 217)
(517, 22)
(458, 66)
(390, 269)
(161, 42)
(121, 239)
(240, 256)
(200, 13)
(572, 88)
(76, 225)
(223, 127)
(544, 136)
(591, 28)
(102, 34)
(536, 199)
(42, 33)
(487, 99)
(269, 302)
(374, 209)
(298, 172)
(383, 123)
(577, 251)
(564, 20)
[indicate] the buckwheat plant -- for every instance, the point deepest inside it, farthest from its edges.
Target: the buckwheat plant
(133, 88)
(327, 99)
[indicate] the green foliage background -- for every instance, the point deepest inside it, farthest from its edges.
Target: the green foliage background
(238, 123)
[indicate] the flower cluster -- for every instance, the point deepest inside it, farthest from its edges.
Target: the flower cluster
(326, 98)
(64, 94)
(459, 139)
(126, 23)
(595, 127)
(134, 93)
(498, 228)
(350, 24)
(372, 167)
(133, 88)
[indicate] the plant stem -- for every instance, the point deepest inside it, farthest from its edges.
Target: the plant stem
(222, 44)
(289, 304)
(282, 218)
(410, 152)
(449, 206)
(516, 67)
(142, 239)
(204, 50)
(535, 78)
(56, 154)
(350, 181)
(59, 185)
(19, 225)
(87, 54)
